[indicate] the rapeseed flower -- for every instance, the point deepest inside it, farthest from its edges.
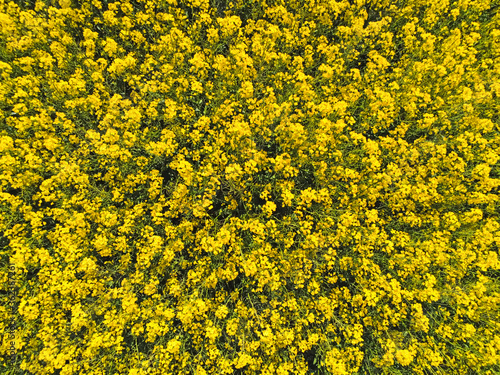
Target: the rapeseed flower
(253, 185)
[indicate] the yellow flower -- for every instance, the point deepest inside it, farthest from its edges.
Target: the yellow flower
(251, 167)
(232, 326)
(213, 35)
(78, 317)
(152, 328)
(51, 143)
(203, 4)
(197, 87)
(229, 25)
(313, 287)
(88, 266)
(433, 357)
(198, 62)
(111, 136)
(334, 362)
(243, 360)
(65, 4)
(467, 94)
(212, 333)
(173, 346)
(221, 312)
(246, 90)
(200, 370)
(150, 289)
(481, 171)
(136, 371)
(221, 63)
(6, 143)
(282, 161)
(119, 66)
(451, 221)
(287, 197)
(249, 267)
(101, 245)
(234, 172)
(404, 357)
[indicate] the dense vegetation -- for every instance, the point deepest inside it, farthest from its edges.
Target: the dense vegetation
(250, 187)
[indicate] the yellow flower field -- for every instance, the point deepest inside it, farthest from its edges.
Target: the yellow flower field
(250, 187)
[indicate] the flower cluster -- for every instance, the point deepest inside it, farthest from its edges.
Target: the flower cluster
(255, 187)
